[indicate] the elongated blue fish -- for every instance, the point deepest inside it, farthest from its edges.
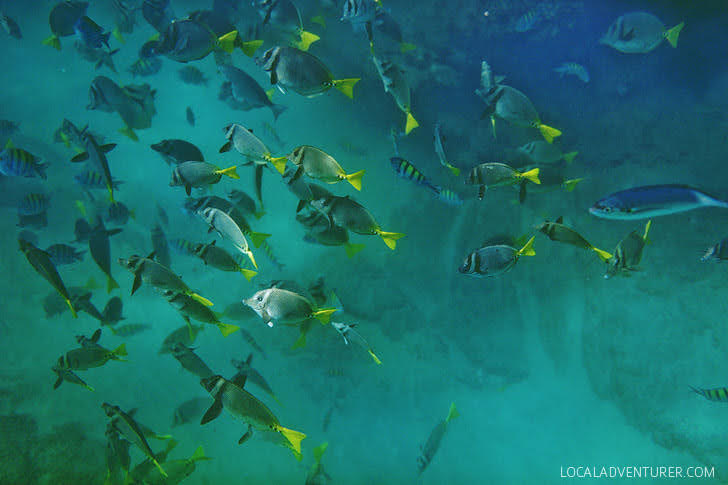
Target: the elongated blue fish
(652, 201)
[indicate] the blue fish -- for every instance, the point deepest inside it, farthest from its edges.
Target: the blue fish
(406, 170)
(652, 201)
(91, 33)
(449, 197)
(33, 205)
(16, 162)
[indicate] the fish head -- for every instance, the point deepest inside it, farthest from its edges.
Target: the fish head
(710, 253)
(269, 60)
(610, 208)
(131, 263)
(469, 266)
(110, 409)
(179, 349)
(258, 300)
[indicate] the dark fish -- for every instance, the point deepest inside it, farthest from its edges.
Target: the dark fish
(10, 26)
(28, 236)
(125, 425)
(192, 75)
(160, 246)
(62, 254)
(118, 213)
(130, 329)
(90, 33)
(717, 252)
(98, 243)
(97, 56)
(244, 368)
(283, 17)
(178, 151)
(134, 103)
(62, 20)
(185, 335)
(92, 341)
(8, 128)
(190, 410)
(117, 455)
(158, 13)
(190, 115)
(82, 230)
(91, 356)
(113, 312)
(33, 204)
(16, 162)
(144, 67)
(406, 170)
(191, 361)
(96, 154)
(433, 441)
(494, 260)
(66, 374)
(43, 265)
(243, 202)
(219, 258)
(187, 40)
(191, 308)
(245, 91)
(36, 221)
(653, 201)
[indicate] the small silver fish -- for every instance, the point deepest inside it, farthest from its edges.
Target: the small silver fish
(573, 69)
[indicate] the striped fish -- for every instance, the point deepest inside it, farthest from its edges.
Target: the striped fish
(449, 197)
(144, 67)
(62, 254)
(33, 204)
(90, 179)
(406, 170)
(16, 162)
(718, 394)
(182, 246)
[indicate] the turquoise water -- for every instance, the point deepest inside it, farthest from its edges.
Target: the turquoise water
(550, 365)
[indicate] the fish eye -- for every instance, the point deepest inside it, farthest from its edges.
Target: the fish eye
(260, 298)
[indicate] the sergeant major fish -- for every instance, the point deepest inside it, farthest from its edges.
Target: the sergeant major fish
(395, 83)
(284, 306)
(319, 165)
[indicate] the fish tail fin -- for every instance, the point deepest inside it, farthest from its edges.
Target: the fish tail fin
(548, 132)
(249, 47)
(647, 230)
(117, 35)
(258, 238)
(352, 249)
(120, 351)
(249, 253)
(319, 451)
(376, 359)
(111, 284)
(405, 47)
(200, 299)
(672, 34)
(390, 238)
(324, 315)
(159, 467)
(229, 172)
(346, 86)
(569, 157)
(128, 132)
(277, 109)
(294, 437)
(455, 171)
(307, 38)
(527, 249)
(492, 123)
(570, 184)
(279, 163)
(355, 179)
(70, 305)
(532, 175)
(227, 41)
(248, 273)
(603, 255)
(53, 41)
(199, 455)
(319, 19)
(300, 342)
(410, 124)
(453, 413)
(697, 391)
(227, 328)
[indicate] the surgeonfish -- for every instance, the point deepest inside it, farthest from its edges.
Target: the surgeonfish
(319, 165)
(284, 306)
(96, 154)
(175, 151)
(639, 33)
(346, 330)
(190, 361)
(100, 249)
(219, 258)
(541, 152)
(628, 253)
(187, 40)
(441, 152)
(199, 174)
(494, 260)
(557, 231)
(245, 92)
(10, 26)
(62, 19)
(190, 307)
(652, 201)
(90, 33)
(190, 410)
(177, 470)
(89, 357)
(432, 444)
(245, 367)
(283, 16)
(96, 56)
(317, 475)
(63, 373)
(250, 146)
(228, 229)
(495, 174)
(43, 265)
(395, 83)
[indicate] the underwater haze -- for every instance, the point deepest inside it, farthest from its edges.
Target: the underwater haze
(353, 241)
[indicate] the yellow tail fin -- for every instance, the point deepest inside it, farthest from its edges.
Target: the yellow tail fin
(258, 238)
(111, 284)
(569, 157)
(199, 454)
(672, 34)
(405, 47)
(53, 41)
(159, 467)
(532, 175)
(390, 238)
(603, 255)
(252, 258)
(376, 359)
(455, 171)
(279, 163)
(355, 179)
(200, 299)
(410, 124)
(346, 86)
(120, 351)
(230, 172)
(128, 132)
(248, 273)
(319, 19)
(117, 35)
(323, 315)
(226, 328)
(294, 437)
(647, 229)
(453, 413)
(527, 249)
(307, 38)
(249, 47)
(492, 122)
(70, 305)
(319, 451)
(548, 133)
(352, 249)
(227, 41)
(270, 94)
(569, 185)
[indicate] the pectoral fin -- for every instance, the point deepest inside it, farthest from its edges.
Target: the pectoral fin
(213, 412)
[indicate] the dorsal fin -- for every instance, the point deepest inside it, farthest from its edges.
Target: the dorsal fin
(239, 379)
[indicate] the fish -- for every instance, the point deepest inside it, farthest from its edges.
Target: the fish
(182, 246)
(717, 394)
(283, 16)
(330, 235)
(127, 427)
(145, 66)
(62, 20)
(227, 228)
(395, 83)
(92, 341)
(317, 475)
(177, 470)
(717, 252)
(190, 115)
(113, 311)
(16, 162)
(386, 27)
(89, 357)
(628, 253)
(359, 12)
(34, 204)
(284, 306)
(37, 221)
(244, 367)
(218, 258)
(652, 201)
(96, 154)
(147, 270)
(573, 69)
(117, 456)
(118, 213)
(124, 17)
(495, 174)
(527, 21)
(65, 374)
(190, 307)
(82, 230)
(97, 56)
(192, 75)
(190, 410)
(404, 169)
(177, 151)
(244, 203)
(432, 444)
(63, 254)
(186, 40)
(197, 205)
(190, 361)
(347, 213)
(43, 265)
(319, 165)
(98, 244)
(90, 33)
(494, 260)
(557, 231)
(160, 246)
(134, 103)
(199, 174)
(541, 152)
(348, 333)
(437, 138)
(130, 329)
(231, 396)
(8, 128)
(158, 13)
(250, 146)
(302, 72)
(639, 33)
(185, 335)
(10, 26)
(246, 92)
(449, 197)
